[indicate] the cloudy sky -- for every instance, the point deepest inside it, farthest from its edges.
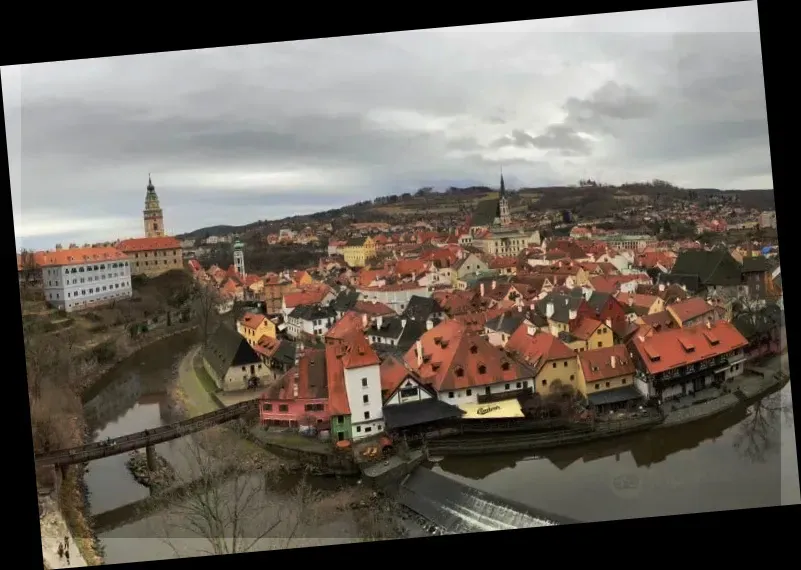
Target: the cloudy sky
(233, 135)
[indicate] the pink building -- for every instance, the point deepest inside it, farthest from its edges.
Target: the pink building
(300, 397)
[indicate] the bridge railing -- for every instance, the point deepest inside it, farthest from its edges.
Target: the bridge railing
(133, 441)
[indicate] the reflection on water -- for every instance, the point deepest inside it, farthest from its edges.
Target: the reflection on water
(133, 398)
(745, 458)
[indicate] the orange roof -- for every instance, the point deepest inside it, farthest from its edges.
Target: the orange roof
(267, 345)
(453, 359)
(539, 348)
(149, 244)
(584, 327)
(349, 324)
(338, 403)
(359, 353)
(673, 348)
(393, 372)
(306, 297)
(372, 308)
(603, 363)
(638, 299)
(252, 320)
(78, 255)
(690, 308)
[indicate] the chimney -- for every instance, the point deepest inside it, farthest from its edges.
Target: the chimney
(403, 323)
(572, 314)
(419, 354)
(613, 361)
(494, 284)
(481, 289)
(608, 323)
(295, 387)
(429, 324)
(661, 287)
(380, 321)
(59, 247)
(531, 330)
(709, 325)
(549, 310)
(364, 320)
(631, 300)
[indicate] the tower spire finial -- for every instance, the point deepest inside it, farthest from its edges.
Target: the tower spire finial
(503, 186)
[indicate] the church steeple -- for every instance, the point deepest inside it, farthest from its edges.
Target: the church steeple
(504, 216)
(503, 186)
(153, 216)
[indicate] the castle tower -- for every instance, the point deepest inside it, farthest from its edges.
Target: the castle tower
(504, 216)
(239, 258)
(154, 217)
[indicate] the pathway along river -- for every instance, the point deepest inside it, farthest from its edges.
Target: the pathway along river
(741, 459)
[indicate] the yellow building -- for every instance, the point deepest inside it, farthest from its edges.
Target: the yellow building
(253, 327)
(606, 378)
(589, 334)
(152, 256)
(358, 251)
(555, 362)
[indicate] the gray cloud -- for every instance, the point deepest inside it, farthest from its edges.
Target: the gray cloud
(254, 132)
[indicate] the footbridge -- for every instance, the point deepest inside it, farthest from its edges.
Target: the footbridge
(144, 439)
(458, 508)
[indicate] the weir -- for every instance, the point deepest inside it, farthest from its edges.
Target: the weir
(458, 508)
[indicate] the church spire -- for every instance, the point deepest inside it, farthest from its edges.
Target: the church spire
(150, 187)
(503, 186)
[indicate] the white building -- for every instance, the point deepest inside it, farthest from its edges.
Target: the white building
(81, 278)
(767, 220)
(239, 258)
(396, 296)
(363, 385)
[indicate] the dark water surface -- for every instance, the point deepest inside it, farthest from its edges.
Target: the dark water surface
(742, 459)
(133, 398)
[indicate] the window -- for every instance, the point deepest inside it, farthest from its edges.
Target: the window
(565, 363)
(366, 399)
(554, 364)
(359, 429)
(519, 385)
(623, 381)
(283, 408)
(450, 394)
(506, 386)
(525, 383)
(600, 345)
(607, 384)
(469, 392)
(268, 407)
(364, 382)
(482, 369)
(544, 382)
(367, 415)
(408, 392)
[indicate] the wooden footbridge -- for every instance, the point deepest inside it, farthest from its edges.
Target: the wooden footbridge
(144, 439)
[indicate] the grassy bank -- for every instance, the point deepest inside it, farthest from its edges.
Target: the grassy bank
(73, 507)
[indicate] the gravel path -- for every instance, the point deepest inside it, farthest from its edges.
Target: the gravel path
(54, 529)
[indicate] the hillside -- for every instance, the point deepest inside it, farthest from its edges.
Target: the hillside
(453, 204)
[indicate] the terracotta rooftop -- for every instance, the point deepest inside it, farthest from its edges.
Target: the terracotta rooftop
(149, 244)
(604, 363)
(78, 255)
(690, 308)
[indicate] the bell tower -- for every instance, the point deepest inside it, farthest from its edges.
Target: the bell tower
(154, 217)
(239, 258)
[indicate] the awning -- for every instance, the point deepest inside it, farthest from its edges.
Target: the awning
(493, 410)
(399, 416)
(615, 396)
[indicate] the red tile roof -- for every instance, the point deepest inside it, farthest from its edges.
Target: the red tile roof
(690, 308)
(372, 308)
(252, 320)
(149, 244)
(393, 372)
(583, 328)
(604, 363)
(337, 391)
(76, 255)
(350, 323)
(453, 359)
(539, 348)
(673, 348)
(359, 353)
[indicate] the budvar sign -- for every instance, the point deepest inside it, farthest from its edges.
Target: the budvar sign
(484, 410)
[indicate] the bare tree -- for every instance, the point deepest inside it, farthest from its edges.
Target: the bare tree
(758, 433)
(29, 271)
(206, 299)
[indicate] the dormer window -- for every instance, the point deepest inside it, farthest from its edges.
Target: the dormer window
(459, 371)
(473, 349)
(482, 369)
(505, 365)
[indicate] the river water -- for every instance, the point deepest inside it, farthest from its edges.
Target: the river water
(133, 398)
(742, 459)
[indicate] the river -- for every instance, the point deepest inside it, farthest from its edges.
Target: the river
(741, 459)
(133, 398)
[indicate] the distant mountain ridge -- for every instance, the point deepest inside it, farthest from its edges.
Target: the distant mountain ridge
(761, 199)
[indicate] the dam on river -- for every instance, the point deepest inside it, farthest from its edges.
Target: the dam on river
(457, 508)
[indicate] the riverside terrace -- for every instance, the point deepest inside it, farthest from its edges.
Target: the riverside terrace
(147, 438)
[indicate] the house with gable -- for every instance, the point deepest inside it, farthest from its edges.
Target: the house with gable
(553, 363)
(362, 379)
(706, 273)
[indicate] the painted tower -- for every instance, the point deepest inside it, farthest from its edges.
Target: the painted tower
(154, 217)
(239, 257)
(504, 216)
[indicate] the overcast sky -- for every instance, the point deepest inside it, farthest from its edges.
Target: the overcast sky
(233, 135)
